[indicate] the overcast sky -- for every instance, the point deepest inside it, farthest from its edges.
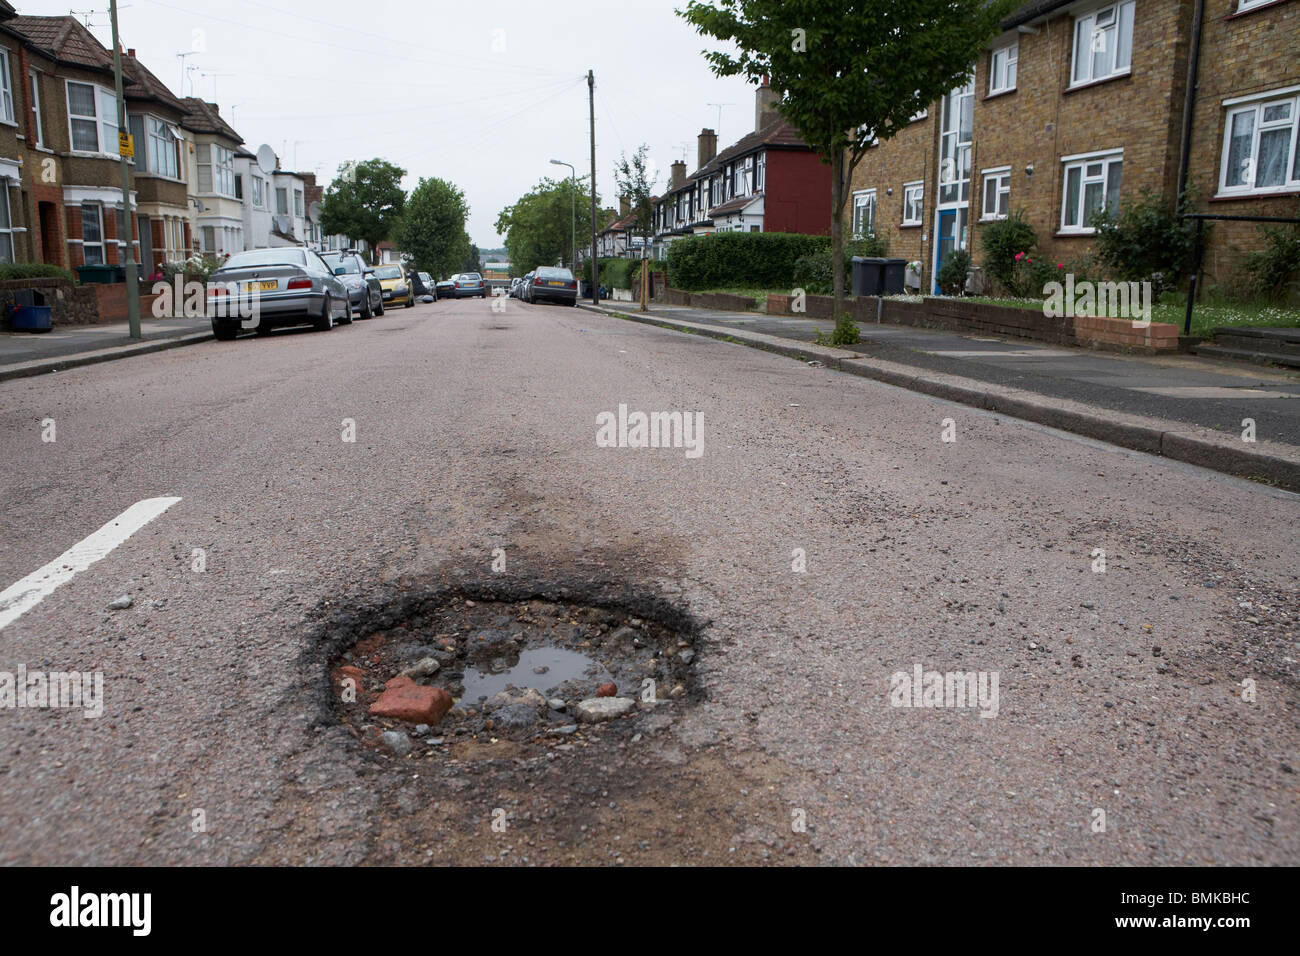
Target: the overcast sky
(481, 94)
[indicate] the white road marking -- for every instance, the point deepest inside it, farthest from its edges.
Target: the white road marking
(17, 599)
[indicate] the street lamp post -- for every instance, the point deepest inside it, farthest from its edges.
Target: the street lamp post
(573, 203)
(128, 217)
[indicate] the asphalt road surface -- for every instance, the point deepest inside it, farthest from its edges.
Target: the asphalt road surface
(1146, 713)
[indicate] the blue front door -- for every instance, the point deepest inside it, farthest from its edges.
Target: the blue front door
(946, 234)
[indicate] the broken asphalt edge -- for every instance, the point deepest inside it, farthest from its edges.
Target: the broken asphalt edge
(78, 359)
(1273, 464)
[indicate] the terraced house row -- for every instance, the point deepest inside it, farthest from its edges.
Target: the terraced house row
(196, 189)
(1080, 105)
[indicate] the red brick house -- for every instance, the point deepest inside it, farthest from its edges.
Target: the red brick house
(768, 181)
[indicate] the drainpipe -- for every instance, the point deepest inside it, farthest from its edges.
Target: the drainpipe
(1189, 102)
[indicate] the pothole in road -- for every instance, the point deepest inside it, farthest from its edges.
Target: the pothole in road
(451, 675)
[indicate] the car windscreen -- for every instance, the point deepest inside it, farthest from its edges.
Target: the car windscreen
(548, 272)
(471, 277)
(349, 264)
(265, 257)
(388, 272)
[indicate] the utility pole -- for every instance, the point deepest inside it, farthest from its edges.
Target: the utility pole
(128, 216)
(595, 266)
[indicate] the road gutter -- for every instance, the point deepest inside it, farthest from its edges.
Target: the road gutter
(78, 359)
(1270, 463)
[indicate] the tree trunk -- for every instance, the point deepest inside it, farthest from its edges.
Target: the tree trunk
(837, 229)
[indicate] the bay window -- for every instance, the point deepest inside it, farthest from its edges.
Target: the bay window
(92, 118)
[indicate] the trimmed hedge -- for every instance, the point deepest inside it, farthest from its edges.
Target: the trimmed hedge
(761, 260)
(616, 273)
(33, 270)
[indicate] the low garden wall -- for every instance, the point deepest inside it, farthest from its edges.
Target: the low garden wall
(70, 304)
(982, 318)
(708, 300)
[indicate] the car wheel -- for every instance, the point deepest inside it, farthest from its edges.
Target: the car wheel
(347, 312)
(379, 309)
(367, 308)
(326, 320)
(224, 330)
(410, 300)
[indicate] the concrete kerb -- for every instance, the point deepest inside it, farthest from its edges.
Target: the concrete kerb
(1274, 464)
(79, 359)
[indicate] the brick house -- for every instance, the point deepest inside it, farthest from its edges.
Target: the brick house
(154, 115)
(768, 181)
(216, 207)
(68, 127)
(15, 121)
(1078, 104)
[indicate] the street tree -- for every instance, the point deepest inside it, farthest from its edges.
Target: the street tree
(849, 74)
(635, 181)
(364, 202)
(539, 226)
(432, 227)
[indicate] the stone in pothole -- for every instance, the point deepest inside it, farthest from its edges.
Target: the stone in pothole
(597, 709)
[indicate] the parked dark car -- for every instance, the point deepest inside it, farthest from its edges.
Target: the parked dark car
(364, 290)
(553, 284)
(446, 289)
(285, 286)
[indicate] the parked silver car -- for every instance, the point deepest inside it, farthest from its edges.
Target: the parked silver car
(285, 286)
(470, 284)
(364, 291)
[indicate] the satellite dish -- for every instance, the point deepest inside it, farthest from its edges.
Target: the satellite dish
(266, 161)
(313, 212)
(282, 225)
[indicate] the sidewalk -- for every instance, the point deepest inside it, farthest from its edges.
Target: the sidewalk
(1193, 390)
(28, 353)
(1181, 407)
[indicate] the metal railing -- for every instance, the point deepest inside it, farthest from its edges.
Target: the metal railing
(1201, 218)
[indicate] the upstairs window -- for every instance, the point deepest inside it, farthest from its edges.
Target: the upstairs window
(6, 89)
(1103, 43)
(997, 193)
(92, 119)
(1002, 69)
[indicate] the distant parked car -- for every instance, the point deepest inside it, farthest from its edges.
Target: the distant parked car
(396, 285)
(470, 284)
(446, 289)
(431, 288)
(523, 286)
(553, 284)
(515, 284)
(287, 286)
(364, 291)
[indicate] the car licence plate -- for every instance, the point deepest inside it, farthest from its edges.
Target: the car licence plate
(553, 282)
(265, 285)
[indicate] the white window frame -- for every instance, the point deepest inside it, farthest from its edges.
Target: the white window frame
(1256, 106)
(298, 206)
(158, 133)
(760, 172)
(1082, 161)
(34, 78)
(864, 199)
(102, 244)
(6, 90)
(1010, 56)
(1095, 40)
(105, 143)
(914, 193)
(6, 224)
(1244, 5)
(1000, 175)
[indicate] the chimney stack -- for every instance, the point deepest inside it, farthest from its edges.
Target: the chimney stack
(678, 174)
(708, 147)
(765, 106)
(624, 205)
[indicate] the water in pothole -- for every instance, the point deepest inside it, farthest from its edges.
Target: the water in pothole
(559, 666)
